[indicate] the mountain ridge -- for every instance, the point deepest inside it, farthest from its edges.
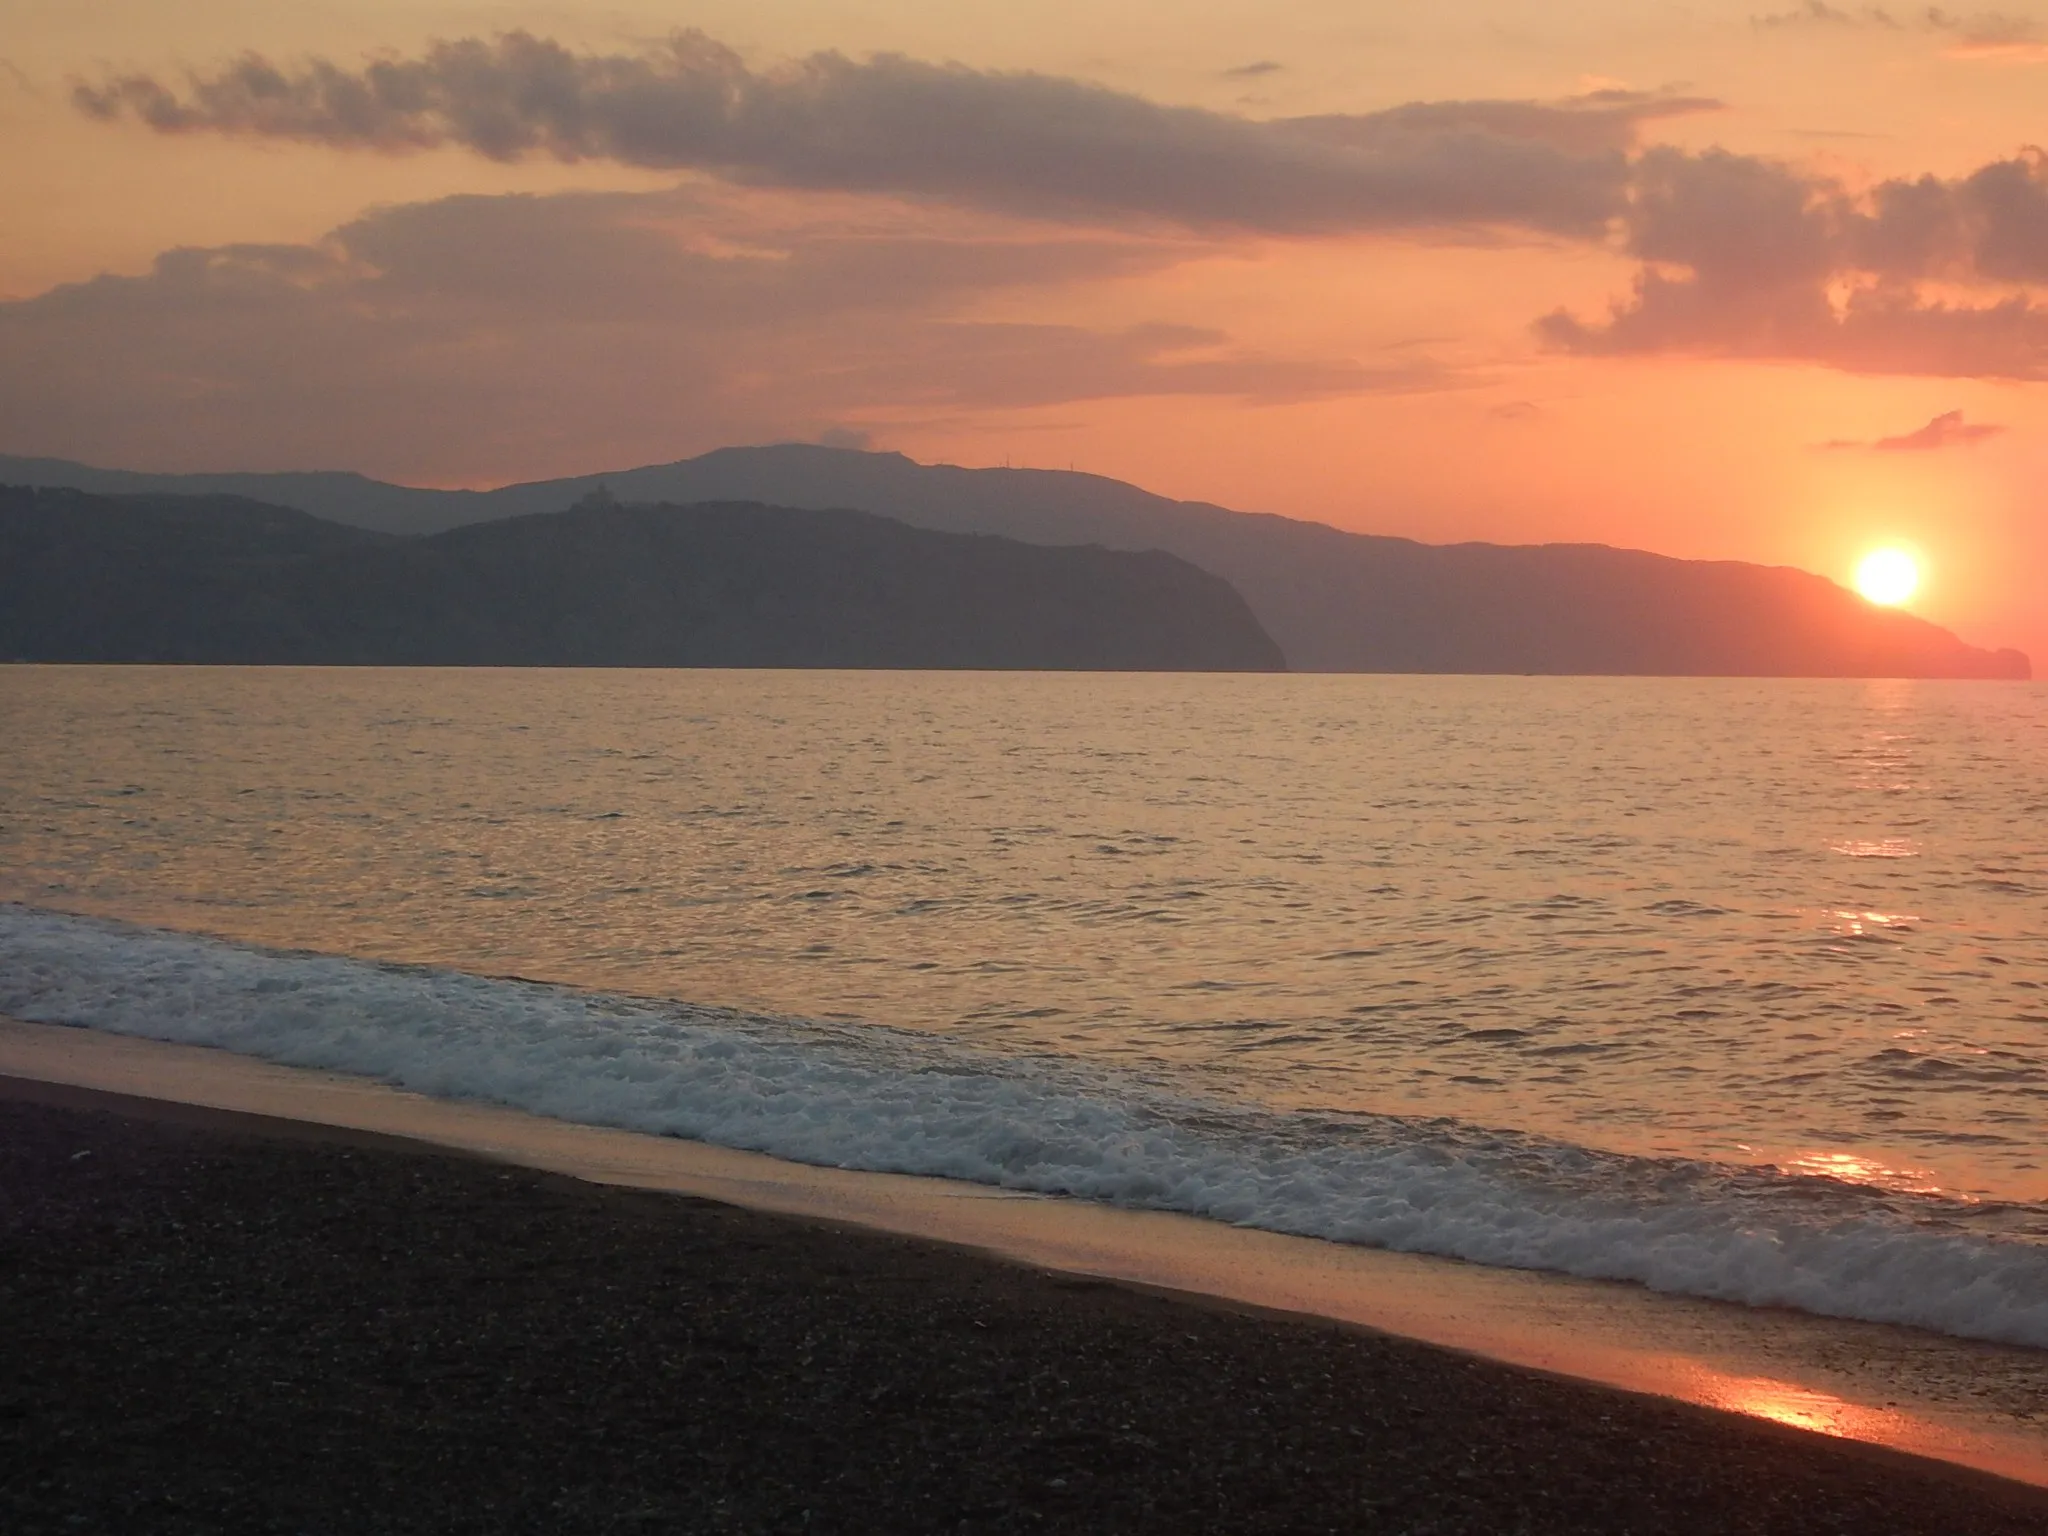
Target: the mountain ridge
(1334, 600)
(218, 579)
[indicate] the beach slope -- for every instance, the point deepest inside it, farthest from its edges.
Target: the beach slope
(228, 1322)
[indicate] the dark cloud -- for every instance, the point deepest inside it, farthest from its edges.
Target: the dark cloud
(1019, 143)
(1598, 124)
(1749, 258)
(1947, 430)
(1990, 34)
(1817, 13)
(1738, 221)
(1740, 256)
(1990, 225)
(528, 335)
(1975, 34)
(1253, 70)
(1874, 330)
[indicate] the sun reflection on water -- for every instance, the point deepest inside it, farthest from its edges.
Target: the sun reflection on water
(1783, 1402)
(1856, 925)
(1600, 913)
(1876, 847)
(1851, 1168)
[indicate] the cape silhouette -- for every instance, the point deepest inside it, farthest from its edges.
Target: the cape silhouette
(1334, 601)
(225, 579)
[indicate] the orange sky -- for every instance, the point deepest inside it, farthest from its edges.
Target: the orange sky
(1338, 322)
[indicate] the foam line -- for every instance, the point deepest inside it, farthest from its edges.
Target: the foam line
(891, 1101)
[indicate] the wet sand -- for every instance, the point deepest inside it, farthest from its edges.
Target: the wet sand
(226, 1322)
(1979, 1405)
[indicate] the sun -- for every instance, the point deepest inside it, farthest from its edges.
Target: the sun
(1888, 577)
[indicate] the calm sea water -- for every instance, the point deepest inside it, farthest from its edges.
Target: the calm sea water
(1683, 981)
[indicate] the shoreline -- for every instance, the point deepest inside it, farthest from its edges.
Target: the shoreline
(1968, 1405)
(233, 1322)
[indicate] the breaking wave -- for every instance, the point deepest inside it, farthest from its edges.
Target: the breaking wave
(885, 1100)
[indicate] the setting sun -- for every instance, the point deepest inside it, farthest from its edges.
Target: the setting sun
(1888, 576)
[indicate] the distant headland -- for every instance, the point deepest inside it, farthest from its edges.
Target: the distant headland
(223, 579)
(1333, 601)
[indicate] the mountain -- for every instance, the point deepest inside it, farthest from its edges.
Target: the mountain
(1334, 601)
(226, 579)
(340, 496)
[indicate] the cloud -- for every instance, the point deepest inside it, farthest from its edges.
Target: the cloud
(1739, 256)
(1817, 13)
(1253, 70)
(1991, 224)
(1991, 35)
(515, 335)
(1750, 258)
(1873, 330)
(1019, 143)
(1597, 124)
(1947, 430)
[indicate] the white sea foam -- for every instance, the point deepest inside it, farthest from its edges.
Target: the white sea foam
(890, 1101)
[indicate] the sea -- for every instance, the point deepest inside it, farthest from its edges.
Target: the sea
(1735, 989)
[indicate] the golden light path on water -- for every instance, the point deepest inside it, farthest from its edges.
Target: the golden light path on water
(1786, 924)
(1802, 1407)
(1851, 1169)
(1731, 989)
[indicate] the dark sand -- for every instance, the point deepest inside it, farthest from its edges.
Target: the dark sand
(221, 1323)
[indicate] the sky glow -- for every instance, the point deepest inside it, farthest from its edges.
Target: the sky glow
(1723, 281)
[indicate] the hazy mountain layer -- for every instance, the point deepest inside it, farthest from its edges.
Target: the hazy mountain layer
(1335, 601)
(225, 579)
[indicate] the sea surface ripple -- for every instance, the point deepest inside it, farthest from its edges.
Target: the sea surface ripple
(1739, 944)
